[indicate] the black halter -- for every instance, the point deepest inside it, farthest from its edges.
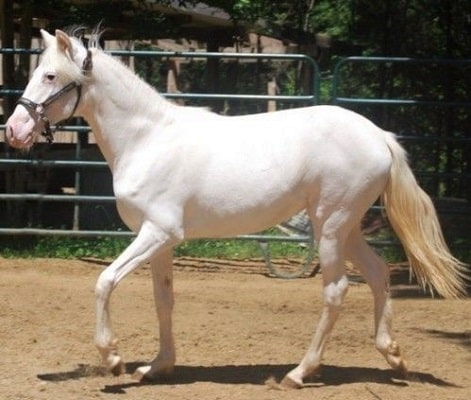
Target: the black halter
(40, 108)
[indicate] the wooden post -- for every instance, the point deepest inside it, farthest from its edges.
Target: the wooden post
(212, 73)
(272, 89)
(172, 78)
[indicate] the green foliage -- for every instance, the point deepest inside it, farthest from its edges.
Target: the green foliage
(232, 249)
(62, 247)
(333, 18)
(109, 247)
(433, 133)
(414, 28)
(239, 249)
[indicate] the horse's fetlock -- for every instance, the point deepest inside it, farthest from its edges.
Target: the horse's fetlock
(111, 359)
(108, 349)
(394, 349)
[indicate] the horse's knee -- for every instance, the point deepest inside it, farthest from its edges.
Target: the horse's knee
(104, 284)
(334, 293)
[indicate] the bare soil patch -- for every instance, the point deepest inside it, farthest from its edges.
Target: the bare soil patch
(235, 328)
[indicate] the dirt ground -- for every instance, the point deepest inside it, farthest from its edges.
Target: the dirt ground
(235, 329)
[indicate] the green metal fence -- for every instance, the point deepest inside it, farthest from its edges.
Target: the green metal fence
(44, 159)
(431, 121)
(368, 85)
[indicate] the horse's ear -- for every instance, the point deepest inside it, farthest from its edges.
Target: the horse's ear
(47, 38)
(63, 41)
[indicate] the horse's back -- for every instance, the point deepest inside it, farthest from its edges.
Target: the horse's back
(316, 127)
(247, 173)
(305, 143)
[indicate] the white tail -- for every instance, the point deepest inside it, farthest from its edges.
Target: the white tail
(414, 219)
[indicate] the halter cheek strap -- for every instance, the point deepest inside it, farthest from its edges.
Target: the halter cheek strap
(40, 108)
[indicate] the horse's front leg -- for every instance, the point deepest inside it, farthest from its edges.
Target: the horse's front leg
(148, 242)
(162, 278)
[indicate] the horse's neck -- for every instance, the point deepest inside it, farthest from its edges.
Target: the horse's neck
(120, 108)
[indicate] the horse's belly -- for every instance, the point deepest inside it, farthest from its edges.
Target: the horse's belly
(235, 219)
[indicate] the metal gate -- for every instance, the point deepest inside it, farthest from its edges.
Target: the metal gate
(367, 101)
(432, 122)
(77, 201)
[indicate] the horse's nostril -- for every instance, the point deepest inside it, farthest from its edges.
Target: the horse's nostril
(10, 135)
(9, 132)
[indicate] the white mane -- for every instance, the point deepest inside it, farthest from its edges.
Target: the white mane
(143, 97)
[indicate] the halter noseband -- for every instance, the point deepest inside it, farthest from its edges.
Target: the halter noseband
(40, 108)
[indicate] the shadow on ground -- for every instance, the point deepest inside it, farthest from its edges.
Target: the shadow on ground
(252, 374)
(460, 338)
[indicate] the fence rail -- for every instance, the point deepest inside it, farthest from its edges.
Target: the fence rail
(444, 101)
(79, 165)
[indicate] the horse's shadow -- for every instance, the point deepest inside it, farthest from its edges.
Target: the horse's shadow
(330, 375)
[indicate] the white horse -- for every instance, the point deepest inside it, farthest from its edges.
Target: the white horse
(181, 173)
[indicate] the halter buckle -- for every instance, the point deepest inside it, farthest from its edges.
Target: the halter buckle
(47, 133)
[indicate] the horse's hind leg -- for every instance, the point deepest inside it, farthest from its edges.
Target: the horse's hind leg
(162, 278)
(331, 256)
(376, 273)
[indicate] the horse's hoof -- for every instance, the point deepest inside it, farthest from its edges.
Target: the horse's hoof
(150, 374)
(396, 359)
(118, 369)
(402, 368)
(288, 383)
(140, 374)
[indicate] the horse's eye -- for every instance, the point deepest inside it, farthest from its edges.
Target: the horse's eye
(50, 77)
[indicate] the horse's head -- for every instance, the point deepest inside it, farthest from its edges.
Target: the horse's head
(54, 91)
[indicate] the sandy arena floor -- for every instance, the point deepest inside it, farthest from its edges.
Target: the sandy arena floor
(235, 328)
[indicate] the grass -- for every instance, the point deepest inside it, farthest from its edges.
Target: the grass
(109, 247)
(61, 247)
